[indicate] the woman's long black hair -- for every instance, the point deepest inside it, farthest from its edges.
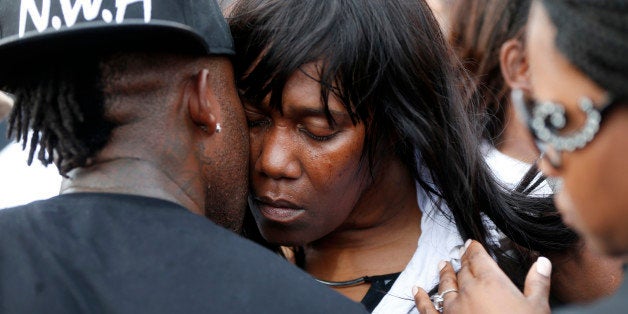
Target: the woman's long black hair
(389, 64)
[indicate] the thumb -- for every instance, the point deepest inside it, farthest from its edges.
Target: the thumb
(537, 285)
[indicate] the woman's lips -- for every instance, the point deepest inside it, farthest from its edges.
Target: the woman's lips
(278, 210)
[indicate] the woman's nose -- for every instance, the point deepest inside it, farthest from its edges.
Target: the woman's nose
(278, 154)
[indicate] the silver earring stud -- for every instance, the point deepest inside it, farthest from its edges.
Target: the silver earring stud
(218, 128)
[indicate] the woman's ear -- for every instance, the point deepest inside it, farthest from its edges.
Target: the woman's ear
(514, 65)
(202, 103)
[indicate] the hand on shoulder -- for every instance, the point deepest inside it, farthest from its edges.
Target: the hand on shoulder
(482, 287)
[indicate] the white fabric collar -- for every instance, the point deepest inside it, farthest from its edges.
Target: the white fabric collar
(439, 240)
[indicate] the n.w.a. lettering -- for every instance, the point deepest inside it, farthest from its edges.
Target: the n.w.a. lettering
(39, 15)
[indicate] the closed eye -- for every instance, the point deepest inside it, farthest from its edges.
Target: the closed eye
(318, 136)
(257, 122)
(255, 118)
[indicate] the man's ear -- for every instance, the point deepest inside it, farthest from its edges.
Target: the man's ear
(514, 65)
(202, 103)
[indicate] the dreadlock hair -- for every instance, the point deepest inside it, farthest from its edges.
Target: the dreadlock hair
(389, 64)
(58, 112)
(478, 30)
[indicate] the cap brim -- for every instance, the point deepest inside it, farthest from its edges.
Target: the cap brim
(98, 38)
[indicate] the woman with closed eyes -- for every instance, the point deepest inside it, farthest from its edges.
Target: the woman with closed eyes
(363, 160)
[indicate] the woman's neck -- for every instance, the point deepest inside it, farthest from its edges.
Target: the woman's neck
(516, 140)
(380, 236)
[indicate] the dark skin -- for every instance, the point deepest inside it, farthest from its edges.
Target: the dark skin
(581, 275)
(379, 243)
(172, 151)
(478, 283)
(350, 224)
(515, 141)
(597, 214)
(584, 275)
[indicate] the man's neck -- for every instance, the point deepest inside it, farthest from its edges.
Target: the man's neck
(129, 175)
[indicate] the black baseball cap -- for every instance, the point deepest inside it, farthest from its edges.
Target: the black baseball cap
(34, 31)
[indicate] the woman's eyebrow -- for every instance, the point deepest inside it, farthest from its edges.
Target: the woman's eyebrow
(321, 112)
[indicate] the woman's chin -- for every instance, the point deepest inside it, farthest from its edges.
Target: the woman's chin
(567, 210)
(281, 236)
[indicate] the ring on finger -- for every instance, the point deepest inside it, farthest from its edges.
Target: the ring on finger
(438, 299)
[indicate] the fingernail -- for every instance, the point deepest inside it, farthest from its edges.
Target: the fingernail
(415, 290)
(441, 265)
(466, 244)
(544, 266)
(463, 249)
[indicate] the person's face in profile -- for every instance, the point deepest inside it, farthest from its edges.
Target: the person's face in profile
(225, 158)
(593, 197)
(306, 174)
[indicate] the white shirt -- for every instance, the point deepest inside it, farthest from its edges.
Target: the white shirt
(440, 239)
(509, 170)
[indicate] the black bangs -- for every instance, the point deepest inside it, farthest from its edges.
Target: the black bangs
(379, 58)
(287, 35)
(389, 64)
